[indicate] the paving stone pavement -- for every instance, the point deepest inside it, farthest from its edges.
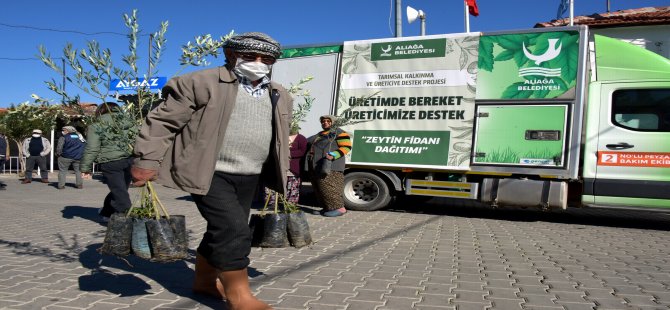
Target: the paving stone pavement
(439, 254)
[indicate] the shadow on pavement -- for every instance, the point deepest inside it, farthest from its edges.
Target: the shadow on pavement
(185, 198)
(87, 213)
(175, 277)
(580, 216)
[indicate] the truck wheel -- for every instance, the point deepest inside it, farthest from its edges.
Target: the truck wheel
(365, 192)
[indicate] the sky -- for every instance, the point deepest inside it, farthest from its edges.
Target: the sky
(25, 25)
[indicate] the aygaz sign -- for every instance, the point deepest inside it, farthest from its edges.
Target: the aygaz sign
(151, 83)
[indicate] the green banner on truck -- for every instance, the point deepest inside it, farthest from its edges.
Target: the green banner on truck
(410, 101)
(540, 65)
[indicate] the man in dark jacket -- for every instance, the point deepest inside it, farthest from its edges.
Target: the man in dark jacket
(36, 149)
(218, 132)
(70, 149)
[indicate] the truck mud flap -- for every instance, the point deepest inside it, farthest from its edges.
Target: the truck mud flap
(525, 193)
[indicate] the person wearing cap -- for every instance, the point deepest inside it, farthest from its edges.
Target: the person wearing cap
(35, 149)
(216, 134)
(70, 150)
(328, 148)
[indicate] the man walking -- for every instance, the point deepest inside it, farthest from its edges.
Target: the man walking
(36, 148)
(217, 133)
(70, 149)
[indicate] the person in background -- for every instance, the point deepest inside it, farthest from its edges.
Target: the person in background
(329, 145)
(298, 148)
(36, 148)
(217, 133)
(70, 149)
(3, 153)
(108, 147)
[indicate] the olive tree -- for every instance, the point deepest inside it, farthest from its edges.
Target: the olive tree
(92, 69)
(19, 122)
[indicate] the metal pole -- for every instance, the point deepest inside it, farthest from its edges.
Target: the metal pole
(64, 79)
(467, 16)
(572, 12)
(423, 25)
(398, 18)
(608, 6)
(151, 41)
(51, 154)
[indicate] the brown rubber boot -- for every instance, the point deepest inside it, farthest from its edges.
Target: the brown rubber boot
(238, 292)
(206, 281)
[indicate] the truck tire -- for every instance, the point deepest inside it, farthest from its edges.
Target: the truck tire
(365, 191)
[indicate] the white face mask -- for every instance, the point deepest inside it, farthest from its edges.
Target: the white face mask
(253, 70)
(36, 135)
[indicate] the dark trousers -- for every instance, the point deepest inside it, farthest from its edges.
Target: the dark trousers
(2, 169)
(117, 175)
(41, 162)
(227, 242)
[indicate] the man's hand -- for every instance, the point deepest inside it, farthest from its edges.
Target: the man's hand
(329, 157)
(86, 175)
(141, 175)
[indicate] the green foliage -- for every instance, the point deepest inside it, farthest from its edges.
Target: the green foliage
(147, 205)
(281, 205)
(486, 53)
(195, 54)
(302, 108)
(92, 69)
(19, 122)
(512, 49)
(289, 207)
(119, 129)
(508, 155)
(142, 212)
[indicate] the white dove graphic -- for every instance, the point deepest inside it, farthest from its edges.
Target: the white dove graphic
(550, 54)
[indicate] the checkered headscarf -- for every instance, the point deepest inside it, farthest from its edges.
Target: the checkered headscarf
(254, 42)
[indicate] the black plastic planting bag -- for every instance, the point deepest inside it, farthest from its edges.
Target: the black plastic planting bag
(274, 231)
(165, 246)
(298, 230)
(118, 235)
(140, 240)
(256, 224)
(178, 224)
(323, 167)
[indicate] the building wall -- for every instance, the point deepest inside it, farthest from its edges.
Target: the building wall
(655, 38)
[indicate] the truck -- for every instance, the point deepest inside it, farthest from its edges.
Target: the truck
(542, 118)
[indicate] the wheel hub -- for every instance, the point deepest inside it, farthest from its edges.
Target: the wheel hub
(365, 190)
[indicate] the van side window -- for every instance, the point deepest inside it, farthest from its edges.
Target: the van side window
(642, 109)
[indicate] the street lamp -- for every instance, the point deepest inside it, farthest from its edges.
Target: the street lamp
(412, 15)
